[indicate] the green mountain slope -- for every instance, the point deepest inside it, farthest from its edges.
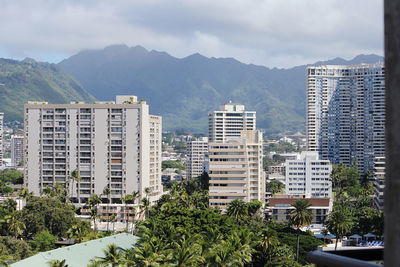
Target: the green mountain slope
(27, 80)
(184, 90)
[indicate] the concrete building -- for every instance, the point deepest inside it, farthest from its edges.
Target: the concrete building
(346, 113)
(1, 139)
(379, 183)
(281, 207)
(17, 150)
(236, 170)
(196, 151)
(309, 176)
(110, 144)
(229, 121)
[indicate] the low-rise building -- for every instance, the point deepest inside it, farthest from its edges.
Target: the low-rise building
(280, 207)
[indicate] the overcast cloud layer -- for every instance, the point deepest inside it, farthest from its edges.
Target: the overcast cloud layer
(272, 33)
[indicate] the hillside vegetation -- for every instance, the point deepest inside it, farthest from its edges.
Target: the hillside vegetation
(27, 80)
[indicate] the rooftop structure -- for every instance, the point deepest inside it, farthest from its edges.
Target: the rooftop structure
(79, 254)
(229, 121)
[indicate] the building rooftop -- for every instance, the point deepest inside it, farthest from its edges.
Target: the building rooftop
(79, 254)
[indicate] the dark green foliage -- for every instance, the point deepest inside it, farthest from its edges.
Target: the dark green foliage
(16, 249)
(12, 176)
(173, 164)
(23, 81)
(274, 187)
(47, 213)
(43, 241)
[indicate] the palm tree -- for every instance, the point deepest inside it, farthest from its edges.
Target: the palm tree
(126, 199)
(144, 207)
(111, 256)
(187, 252)
(237, 209)
(268, 241)
(25, 194)
(325, 233)
(339, 223)
(92, 203)
(77, 232)
(300, 217)
(75, 177)
(113, 219)
(134, 196)
(107, 193)
(15, 224)
(146, 255)
(58, 263)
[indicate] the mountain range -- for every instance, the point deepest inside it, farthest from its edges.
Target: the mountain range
(182, 90)
(27, 80)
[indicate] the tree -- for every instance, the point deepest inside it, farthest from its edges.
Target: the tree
(186, 252)
(92, 203)
(204, 181)
(43, 241)
(25, 194)
(253, 207)
(237, 209)
(78, 231)
(15, 224)
(325, 233)
(107, 193)
(274, 187)
(111, 256)
(300, 217)
(58, 263)
(75, 177)
(339, 223)
(15, 249)
(47, 213)
(113, 219)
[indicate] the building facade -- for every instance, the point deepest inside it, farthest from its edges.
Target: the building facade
(196, 151)
(17, 150)
(379, 183)
(116, 145)
(281, 207)
(346, 113)
(236, 170)
(229, 121)
(309, 176)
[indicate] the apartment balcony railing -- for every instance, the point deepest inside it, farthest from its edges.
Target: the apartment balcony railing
(324, 259)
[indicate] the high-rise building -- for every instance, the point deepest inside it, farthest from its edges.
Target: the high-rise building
(235, 168)
(309, 176)
(229, 121)
(346, 113)
(17, 150)
(116, 145)
(379, 183)
(196, 151)
(1, 139)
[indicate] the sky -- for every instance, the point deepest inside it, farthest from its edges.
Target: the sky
(272, 33)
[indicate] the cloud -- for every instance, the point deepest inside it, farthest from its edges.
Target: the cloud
(264, 32)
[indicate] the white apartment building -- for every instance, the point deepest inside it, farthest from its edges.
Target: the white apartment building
(236, 170)
(196, 151)
(110, 144)
(17, 150)
(379, 183)
(229, 121)
(309, 176)
(346, 113)
(1, 139)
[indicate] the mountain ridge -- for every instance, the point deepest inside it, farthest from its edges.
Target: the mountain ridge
(29, 80)
(184, 90)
